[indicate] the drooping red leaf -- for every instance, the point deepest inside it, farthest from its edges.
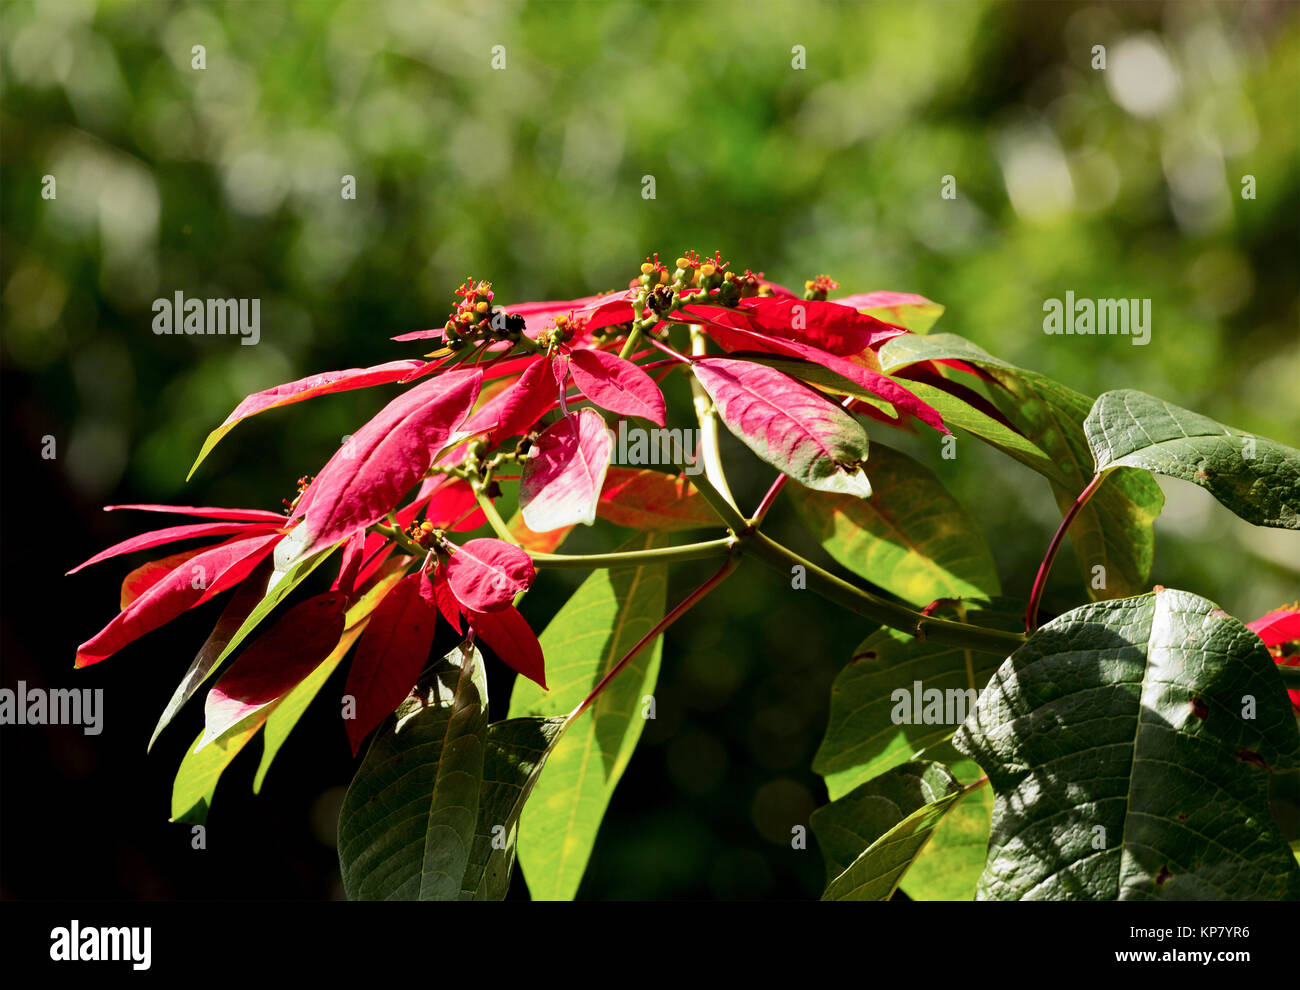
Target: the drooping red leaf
(836, 329)
(904, 309)
(307, 388)
(193, 582)
(147, 575)
(561, 483)
(174, 534)
(736, 339)
(350, 566)
(617, 385)
(447, 603)
(208, 512)
(385, 458)
(653, 501)
(509, 636)
(486, 574)
(274, 664)
(392, 652)
(521, 405)
(789, 425)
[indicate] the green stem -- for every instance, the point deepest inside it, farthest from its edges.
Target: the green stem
(633, 338)
(662, 555)
(707, 416)
(727, 512)
(400, 538)
(493, 517)
(888, 613)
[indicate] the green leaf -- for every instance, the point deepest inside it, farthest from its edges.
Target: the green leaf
(409, 817)
(291, 707)
(911, 537)
(948, 868)
(1130, 746)
(1257, 478)
(606, 616)
(871, 835)
(517, 749)
(1114, 530)
(197, 777)
(899, 696)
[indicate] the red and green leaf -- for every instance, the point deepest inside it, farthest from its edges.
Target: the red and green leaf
(787, 424)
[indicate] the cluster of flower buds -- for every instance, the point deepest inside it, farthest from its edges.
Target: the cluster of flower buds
(817, 289)
(475, 316)
(425, 535)
(562, 329)
(303, 484)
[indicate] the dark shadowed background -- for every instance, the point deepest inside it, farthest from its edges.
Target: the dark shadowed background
(225, 182)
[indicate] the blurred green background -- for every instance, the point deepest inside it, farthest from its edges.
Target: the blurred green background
(225, 182)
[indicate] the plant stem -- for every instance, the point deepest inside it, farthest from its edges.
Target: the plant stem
(689, 551)
(724, 507)
(493, 517)
(768, 499)
(882, 610)
(400, 538)
(633, 338)
(1040, 580)
(708, 420)
(684, 606)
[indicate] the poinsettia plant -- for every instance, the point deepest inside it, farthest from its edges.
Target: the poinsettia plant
(1137, 746)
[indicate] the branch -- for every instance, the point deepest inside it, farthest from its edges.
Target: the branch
(1040, 580)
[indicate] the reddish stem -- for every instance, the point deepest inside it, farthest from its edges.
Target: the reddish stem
(768, 499)
(675, 355)
(684, 606)
(1040, 581)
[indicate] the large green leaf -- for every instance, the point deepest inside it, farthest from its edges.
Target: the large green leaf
(606, 616)
(409, 818)
(870, 836)
(900, 695)
(948, 868)
(1113, 531)
(517, 750)
(1130, 746)
(1257, 478)
(911, 537)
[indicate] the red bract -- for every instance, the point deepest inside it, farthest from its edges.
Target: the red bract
(275, 663)
(561, 482)
(390, 656)
(173, 534)
(509, 636)
(486, 574)
(836, 329)
(652, 500)
(307, 388)
(202, 577)
(904, 309)
(522, 404)
(617, 385)
(790, 426)
(737, 339)
(1280, 631)
(207, 512)
(364, 479)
